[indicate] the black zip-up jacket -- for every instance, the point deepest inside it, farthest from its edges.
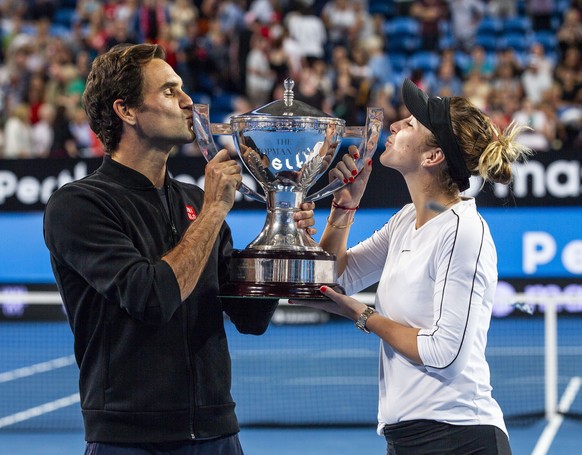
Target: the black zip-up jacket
(152, 368)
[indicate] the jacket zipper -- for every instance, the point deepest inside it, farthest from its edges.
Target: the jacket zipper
(191, 397)
(171, 215)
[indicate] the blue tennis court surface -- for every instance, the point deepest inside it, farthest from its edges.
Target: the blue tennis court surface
(297, 378)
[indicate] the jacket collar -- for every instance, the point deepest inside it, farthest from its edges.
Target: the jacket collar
(125, 176)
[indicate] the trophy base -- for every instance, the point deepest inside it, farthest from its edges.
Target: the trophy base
(276, 291)
(296, 275)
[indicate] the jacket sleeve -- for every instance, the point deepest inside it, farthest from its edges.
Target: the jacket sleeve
(91, 242)
(250, 316)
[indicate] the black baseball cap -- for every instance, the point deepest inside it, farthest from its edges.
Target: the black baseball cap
(434, 113)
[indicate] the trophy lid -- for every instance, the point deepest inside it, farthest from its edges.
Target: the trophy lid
(287, 107)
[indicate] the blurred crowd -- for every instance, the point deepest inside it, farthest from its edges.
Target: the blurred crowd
(343, 56)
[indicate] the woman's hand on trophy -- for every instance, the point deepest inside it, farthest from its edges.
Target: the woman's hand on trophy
(305, 218)
(336, 303)
(346, 170)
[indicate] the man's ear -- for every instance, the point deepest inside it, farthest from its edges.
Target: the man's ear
(125, 113)
(433, 157)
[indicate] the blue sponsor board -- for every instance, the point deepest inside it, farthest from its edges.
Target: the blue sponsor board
(531, 242)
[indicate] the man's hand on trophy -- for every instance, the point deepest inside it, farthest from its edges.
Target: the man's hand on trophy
(349, 196)
(222, 179)
(305, 218)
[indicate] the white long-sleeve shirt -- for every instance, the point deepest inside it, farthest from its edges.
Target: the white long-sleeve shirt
(440, 278)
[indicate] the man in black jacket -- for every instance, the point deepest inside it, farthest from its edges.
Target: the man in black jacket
(138, 258)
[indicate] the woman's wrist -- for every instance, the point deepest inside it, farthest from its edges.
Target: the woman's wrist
(346, 207)
(339, 218)
(337, 225)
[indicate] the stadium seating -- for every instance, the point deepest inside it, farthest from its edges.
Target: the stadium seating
(516, 41)
(487, 42)
(385, 8)
(517, 25)
(426, 61)
(489, 26)
(402, 34)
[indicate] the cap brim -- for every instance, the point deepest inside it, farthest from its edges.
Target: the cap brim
(416, 101)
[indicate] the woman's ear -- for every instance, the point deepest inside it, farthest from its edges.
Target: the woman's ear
(125, 113)
(433, 157)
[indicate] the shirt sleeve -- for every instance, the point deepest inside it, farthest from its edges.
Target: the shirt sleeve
(464, 265)
(366, 261)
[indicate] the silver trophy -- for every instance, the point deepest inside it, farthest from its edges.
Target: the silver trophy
(286, 145)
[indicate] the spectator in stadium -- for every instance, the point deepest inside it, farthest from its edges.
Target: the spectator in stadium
(502, 8)
(181, 13)
(381, 74)
(466, 16)
(138, 258)
(477, 90)
(446, 82)
(366, 23)
(569, 33)
(542, 129)
(435, 265)
(308, 30)
(340, 20)
(571, 63)
(536, 78)
(430, 13)
(18, 133)
(540, 12)
(344, 101)
(42, 131)
(479, 62)
(63, 145)
(260, 77)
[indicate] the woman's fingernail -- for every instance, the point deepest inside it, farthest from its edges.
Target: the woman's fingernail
(355, 172)
(351, 179)
(323, 289)
(345, 180)
(369, 162)
(356, 156)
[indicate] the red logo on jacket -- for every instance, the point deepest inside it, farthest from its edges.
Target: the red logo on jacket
(191, 212)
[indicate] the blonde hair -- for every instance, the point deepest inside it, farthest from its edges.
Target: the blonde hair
(488, 152)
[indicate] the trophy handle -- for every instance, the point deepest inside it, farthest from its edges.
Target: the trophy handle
(368, 146)
(203, 130)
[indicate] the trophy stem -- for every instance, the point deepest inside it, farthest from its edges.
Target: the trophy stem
(280, 231)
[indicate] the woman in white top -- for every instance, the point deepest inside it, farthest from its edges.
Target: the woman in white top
(436, 268)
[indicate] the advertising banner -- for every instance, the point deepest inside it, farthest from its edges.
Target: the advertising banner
(545, 180)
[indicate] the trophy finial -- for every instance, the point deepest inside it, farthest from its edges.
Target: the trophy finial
(288, 95)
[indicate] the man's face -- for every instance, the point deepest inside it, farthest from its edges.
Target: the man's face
(165, 117)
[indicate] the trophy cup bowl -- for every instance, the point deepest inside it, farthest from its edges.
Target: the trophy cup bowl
(287, 146)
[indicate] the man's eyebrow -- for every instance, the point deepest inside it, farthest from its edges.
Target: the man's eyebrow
(170, 84)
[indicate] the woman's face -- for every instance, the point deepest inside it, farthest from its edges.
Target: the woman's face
(405, 145)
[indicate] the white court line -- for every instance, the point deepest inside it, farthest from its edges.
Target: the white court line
(42, 367)
(39, 410)
(549, 433)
